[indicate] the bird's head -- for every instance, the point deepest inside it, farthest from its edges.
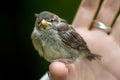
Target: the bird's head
(46, 19)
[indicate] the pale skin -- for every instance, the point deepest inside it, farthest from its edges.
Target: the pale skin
(98, 41)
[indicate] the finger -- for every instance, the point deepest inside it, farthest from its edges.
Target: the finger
(58, 71)
(108, 12)
(86, 13)
(116, 30)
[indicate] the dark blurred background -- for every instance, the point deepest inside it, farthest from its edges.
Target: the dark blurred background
(19, 60)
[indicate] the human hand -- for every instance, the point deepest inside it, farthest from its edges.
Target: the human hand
(98, 41)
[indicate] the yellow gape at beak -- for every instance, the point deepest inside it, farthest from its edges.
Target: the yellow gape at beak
(45, 23)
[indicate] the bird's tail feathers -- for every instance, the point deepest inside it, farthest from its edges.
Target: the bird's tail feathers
(93, 57)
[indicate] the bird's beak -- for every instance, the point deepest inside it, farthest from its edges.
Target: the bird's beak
(45, 23)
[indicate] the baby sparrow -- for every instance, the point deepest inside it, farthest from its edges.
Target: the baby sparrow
(55, 39)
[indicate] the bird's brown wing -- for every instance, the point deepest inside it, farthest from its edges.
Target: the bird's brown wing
(71, 38)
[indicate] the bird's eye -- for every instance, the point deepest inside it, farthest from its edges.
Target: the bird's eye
(51, 20)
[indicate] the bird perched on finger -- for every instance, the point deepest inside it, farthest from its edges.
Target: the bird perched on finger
(55, 39)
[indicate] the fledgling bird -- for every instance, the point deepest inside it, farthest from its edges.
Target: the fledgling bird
(55, 39)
